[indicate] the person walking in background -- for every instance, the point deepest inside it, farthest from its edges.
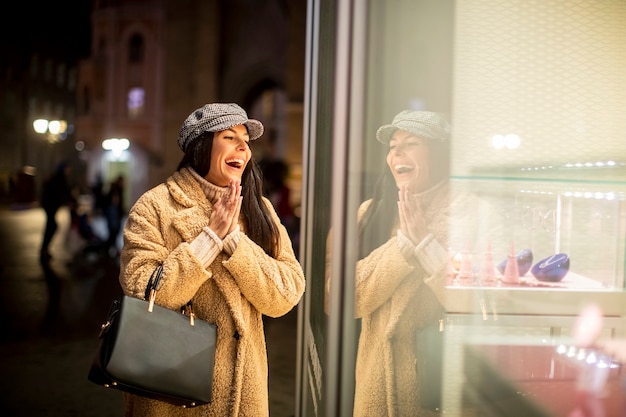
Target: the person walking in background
(56, 192)
(223, 247)
(97, 191)
(114, 212)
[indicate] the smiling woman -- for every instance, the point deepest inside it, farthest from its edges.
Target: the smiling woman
(222, 247)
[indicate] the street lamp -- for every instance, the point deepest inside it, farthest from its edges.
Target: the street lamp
(55, 130)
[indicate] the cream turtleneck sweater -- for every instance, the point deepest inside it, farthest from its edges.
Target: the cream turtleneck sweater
(207, 245)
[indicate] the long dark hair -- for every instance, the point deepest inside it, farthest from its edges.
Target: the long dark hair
(378, 220)
(258, 223)
(381, 216)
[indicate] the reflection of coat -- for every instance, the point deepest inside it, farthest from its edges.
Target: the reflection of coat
(395, 297)
(233, 292)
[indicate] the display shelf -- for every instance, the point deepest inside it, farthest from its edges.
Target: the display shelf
(585, 219)
(531, 301)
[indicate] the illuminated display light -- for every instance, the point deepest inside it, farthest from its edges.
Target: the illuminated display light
(116, 145)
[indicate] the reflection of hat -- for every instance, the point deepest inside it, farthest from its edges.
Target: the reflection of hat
(216, 117)
(424, 124)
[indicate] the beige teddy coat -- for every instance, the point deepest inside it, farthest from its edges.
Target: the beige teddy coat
(395, 297)
(233, 292)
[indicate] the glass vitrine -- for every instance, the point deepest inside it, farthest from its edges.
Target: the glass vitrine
(535, 94)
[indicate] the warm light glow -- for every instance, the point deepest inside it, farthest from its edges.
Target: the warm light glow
(116, 145)
(512, 141)
(40, 126)
(54, 127)
(497, 141)
(509, 141)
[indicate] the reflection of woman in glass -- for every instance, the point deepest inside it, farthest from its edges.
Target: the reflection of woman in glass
(403, 265)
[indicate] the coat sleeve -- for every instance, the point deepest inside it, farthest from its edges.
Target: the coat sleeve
(382, 272)
(272, 285)
(378, 275)
(147, 244)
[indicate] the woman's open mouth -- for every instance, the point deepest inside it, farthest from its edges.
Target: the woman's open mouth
(235, 163)
(403, 168)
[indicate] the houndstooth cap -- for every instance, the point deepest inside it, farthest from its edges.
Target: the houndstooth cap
(424, 124)
(216, 117)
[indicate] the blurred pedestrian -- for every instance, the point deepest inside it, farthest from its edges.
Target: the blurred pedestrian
(56, 192)
(81, 237)
(97, 191)
(114, 212)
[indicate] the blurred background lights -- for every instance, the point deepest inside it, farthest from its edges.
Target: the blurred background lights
(509, 141)
(115, 145)
(54, 130)
(40, 125)
(497, 141)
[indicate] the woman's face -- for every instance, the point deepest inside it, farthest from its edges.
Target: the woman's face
(229, 155)
(408, 159)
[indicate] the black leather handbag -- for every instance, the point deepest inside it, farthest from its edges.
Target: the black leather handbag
(155, 352)
(430, 356)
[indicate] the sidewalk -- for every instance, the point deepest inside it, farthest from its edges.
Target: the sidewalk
(50, 321)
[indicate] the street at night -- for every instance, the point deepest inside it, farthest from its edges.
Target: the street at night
(51, 316)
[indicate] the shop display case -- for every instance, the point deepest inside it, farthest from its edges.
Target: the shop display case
(535, 96)
(542, 220)
(541, 381)
(495, 328)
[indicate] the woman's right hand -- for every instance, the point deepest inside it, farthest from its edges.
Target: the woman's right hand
(225, 215)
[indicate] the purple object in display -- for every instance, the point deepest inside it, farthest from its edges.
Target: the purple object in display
(524, 262)
(552, 269)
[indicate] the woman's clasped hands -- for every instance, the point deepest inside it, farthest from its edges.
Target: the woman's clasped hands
(225, 215)
(412, 222)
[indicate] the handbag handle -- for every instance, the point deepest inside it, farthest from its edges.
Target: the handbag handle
(113, 310)
(152, 287)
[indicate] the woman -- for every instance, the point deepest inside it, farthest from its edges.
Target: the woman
(223, 247)
(403, 267)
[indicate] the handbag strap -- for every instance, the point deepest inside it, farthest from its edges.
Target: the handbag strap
(153, 285)
(113, 310)
(154, 281)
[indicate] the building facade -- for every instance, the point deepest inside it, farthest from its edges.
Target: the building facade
(40, 46)
(152, 62)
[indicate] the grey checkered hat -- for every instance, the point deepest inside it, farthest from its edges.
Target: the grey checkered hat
(216, 117)
(424, 124)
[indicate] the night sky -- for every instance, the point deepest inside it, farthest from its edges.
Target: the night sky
(60, 27)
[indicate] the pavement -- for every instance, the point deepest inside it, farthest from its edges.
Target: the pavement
(50, 318)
